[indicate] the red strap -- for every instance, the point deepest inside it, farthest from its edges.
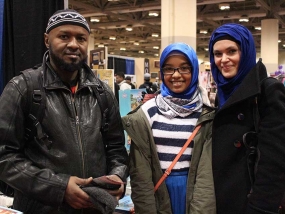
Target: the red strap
(168, 171)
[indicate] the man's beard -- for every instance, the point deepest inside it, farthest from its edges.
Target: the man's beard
(64, 66)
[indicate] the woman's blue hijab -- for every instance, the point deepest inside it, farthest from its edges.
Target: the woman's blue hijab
(245, 39)
(191, 56)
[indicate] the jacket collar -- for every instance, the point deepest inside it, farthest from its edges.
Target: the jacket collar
(208, 114)
(250, 86)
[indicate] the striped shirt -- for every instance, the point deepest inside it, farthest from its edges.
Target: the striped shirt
(170, 135)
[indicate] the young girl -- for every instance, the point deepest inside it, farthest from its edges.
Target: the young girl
(160, 128)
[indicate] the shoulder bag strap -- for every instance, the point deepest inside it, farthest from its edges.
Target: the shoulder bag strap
(168, 171)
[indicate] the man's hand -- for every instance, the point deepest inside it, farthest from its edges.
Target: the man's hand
(118, 192)
(75, 196)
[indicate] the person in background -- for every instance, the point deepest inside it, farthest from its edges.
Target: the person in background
(48, 178)
(128, 80)
(250, 114)
(157, 82)
(116, 90)
(120, 80)
(164, 123)
(148, 85)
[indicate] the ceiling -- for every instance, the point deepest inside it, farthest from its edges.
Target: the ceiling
(115, 16)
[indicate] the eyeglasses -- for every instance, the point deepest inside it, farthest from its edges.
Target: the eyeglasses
(181, 70)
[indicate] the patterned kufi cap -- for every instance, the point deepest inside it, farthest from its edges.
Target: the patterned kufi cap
(66, 17)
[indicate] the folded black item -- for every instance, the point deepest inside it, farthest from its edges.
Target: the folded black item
(106, 183)
(104, 202)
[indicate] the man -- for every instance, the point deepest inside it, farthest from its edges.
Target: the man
(48, 179)
(120, 80)
(128, 80)
(148, 85)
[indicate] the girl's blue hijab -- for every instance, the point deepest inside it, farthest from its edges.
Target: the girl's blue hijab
(245, 39)
(191, 56)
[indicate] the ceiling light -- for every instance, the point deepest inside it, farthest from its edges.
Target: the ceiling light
(243, 18)
(155, 47)
(129, 28)
(154, 34)
(112, 37)
(284, 45)
(257, 28)
(141, 51)
(206, 49)
(204, 31)
(156, 54)
(113, 0)
(94, 19)
(224, 6)
(122, 49)
(112, 52)
(136, 43)
(101, 46)
(279, 40)
(153, 13)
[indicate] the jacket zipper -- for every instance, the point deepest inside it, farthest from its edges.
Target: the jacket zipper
(79, 135)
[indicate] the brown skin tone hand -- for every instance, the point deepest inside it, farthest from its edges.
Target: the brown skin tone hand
(119, 192)
(75, 196)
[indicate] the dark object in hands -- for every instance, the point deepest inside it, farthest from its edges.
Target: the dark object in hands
(105, 182)
(104, 203)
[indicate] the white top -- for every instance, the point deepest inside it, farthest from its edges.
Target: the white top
(124, 86)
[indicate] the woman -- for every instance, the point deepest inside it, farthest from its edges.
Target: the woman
(251, 109)
(159, 128)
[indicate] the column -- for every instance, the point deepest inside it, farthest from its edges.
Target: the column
(65, 4)
(178, 22)
(90, 47)
(269, 44)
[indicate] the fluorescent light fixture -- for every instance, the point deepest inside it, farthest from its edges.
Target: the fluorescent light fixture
(243, 18)
(112, 37)
(155, 47)
(101, 46)
(224, 6)
(257, 28)
(154, 35)
(206, 49)
(94, 19)
(283, 45)
(136, 43)
(129, 28)
(156, 54)
(141, 51)
(153, 13)
(122, 49)
(279, 40)
(204, 31)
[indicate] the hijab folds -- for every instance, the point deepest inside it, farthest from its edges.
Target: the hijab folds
(243, 37)
(188, 101)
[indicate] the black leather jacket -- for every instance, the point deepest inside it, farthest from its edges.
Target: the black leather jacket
(40, 175)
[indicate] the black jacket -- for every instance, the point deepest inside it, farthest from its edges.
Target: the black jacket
(150, 87)
(232, 121)
(40, 175)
